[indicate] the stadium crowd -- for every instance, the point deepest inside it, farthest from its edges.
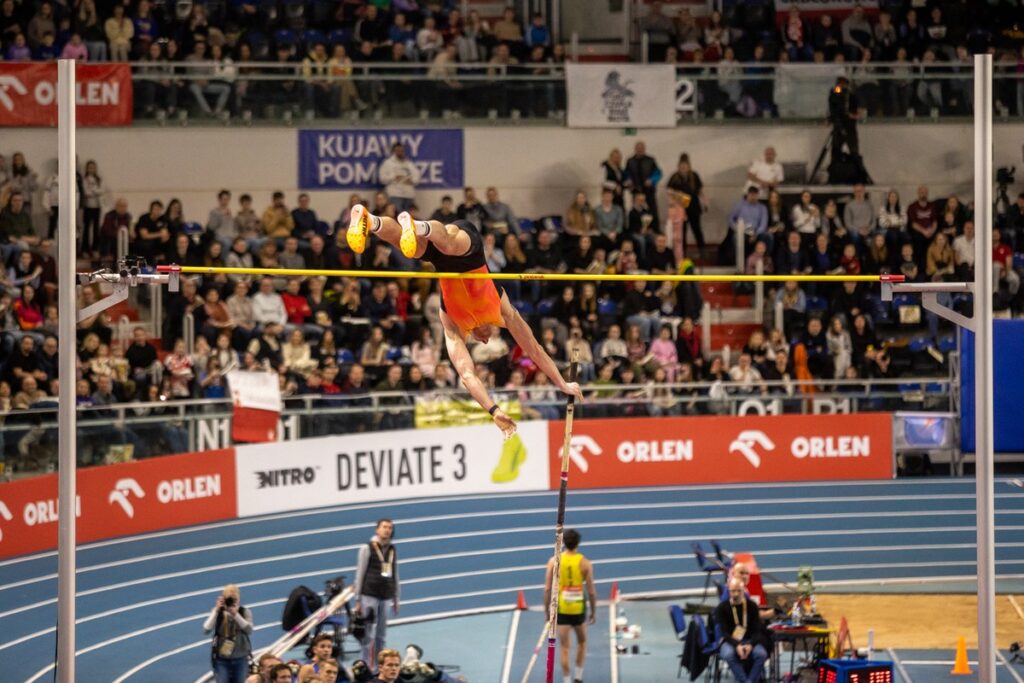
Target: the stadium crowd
(190, 54)
(340, 338)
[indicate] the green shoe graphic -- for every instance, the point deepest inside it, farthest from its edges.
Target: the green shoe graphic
(513, 455)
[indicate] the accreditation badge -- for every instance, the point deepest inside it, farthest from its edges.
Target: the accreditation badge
(738, 633)
(385, 570)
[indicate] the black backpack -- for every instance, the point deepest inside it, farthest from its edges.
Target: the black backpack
(293, 612)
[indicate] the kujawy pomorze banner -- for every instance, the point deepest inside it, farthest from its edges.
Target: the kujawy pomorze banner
(349, 159)
(719, 450)
(28, 94)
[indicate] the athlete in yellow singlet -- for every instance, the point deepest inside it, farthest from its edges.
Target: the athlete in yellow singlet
(575, 575)
(468, 307)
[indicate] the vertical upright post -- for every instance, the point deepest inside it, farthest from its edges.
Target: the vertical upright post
(67, 310)
(984, 447)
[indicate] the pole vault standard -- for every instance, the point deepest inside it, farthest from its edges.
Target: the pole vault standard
(66, 419)
(981, 325)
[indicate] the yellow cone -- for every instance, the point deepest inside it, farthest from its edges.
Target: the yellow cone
(960, 665)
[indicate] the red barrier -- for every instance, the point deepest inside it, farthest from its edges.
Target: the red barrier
(117, 500)
(28, 94)
(717, 450)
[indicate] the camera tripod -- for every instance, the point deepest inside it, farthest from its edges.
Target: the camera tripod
(830, 144)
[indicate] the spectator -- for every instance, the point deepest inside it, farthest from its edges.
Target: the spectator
(389, 665)
(16, 231)
(231, 624)
(857, 33)
(508, 30)
(923, 222)
(267, 305)
(642, 177)
(640, 307)
(429, 41)
(886, 39)
(806, 217)
(609, 219)
(178, 366)
(892, 219)
(688, 182)
(471, 210)
(745, 645)
(29, 395)
(819, 361)
(265, 666)
(120, 31)
(614, 177)
(445, 213)
(840, 347)
(1002, 265)
(877, 257)
(794, 304)
(376, 585)
(859, 215)
(795, 37)
(249, 225)
(749, 219)
(862, 338)
(940, 260)
(963, 253)
(277, 220)
(151, 233)
(579, 217)
(266, 348)
(765, 173)
(290, 256)
(400, 177)
(142, 358)
(27, 311)
(538, 35)
(498, 216)
(40, 24)
(1014, 221)
(661, 32)
(92, 200)
(745, 377)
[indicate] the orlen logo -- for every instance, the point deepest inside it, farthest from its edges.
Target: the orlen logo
(6, 515)
(579, 446)
(745, 442)
(831, 446)
(124, 489)
(10, 83)
(191, 488)
(289, 476)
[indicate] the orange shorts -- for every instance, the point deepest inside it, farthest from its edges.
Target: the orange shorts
(472, 303)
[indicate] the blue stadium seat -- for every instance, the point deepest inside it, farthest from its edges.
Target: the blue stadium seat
(394, 354)
(346, 356)
(312, 36)
(606, 307)
(904, 300)
(524, 307)
(525, 225)
(192, 229)
(1018, 261)
(817, 304)
(947, 343)
(918, 344)
(545, 307)
(257, 40)
(935, 388)
(284, 37)
(340, 36)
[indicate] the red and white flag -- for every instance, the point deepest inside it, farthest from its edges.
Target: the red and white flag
(257, 400)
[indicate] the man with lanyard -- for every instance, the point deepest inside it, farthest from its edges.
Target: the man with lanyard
(743, 636)
(468, 307)
(574, 571)
(389, 665)
(376, 585)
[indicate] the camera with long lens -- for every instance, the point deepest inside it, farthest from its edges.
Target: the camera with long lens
(1005, 175)
(229, 601)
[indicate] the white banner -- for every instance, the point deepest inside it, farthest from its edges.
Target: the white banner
(259, 390)
(376, 466)
(621, 95)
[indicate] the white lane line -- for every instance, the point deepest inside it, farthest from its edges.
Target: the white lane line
(1013, 672)
(691, 521)
(904, 676)
(1016, 606)
(745, 502)
(510, 646)
(746, 488)
(521, 549)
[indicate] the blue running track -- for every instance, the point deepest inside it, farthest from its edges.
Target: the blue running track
(142, 600)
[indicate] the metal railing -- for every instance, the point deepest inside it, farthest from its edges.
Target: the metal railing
(28, 439)
(797, 91)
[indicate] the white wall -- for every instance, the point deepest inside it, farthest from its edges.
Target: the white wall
(537, 169)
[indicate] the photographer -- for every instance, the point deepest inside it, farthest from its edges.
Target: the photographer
(376, 585)
(231, 624)
(843, 113)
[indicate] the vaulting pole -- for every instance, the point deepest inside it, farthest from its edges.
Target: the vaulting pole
(984, 428)
(66, 307)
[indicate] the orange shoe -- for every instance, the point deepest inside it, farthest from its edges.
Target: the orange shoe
(407, 242)
(358, 229)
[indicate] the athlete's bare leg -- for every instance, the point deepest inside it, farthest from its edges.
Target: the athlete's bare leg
(581, 647)
(564, 645)
(449, 239)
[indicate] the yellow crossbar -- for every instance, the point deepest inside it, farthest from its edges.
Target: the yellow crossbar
(565, 277)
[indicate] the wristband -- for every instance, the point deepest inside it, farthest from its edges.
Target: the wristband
(493, 409)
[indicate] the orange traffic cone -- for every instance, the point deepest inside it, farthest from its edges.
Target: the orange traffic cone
(615, 591)
(521, 601)
(960, 666)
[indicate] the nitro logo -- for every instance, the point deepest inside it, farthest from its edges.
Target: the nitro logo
(293, 476)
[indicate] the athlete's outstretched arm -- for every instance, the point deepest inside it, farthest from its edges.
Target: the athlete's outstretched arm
(523, 335)
(466, 369)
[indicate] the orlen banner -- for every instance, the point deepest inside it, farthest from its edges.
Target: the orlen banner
(28, 94)
(118, 500)
(716, 450)
(379, 466)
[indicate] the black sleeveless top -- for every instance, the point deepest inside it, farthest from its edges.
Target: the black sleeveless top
(471, 260)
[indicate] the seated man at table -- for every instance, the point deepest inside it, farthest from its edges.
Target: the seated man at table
(741, 571)
(745, 641)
